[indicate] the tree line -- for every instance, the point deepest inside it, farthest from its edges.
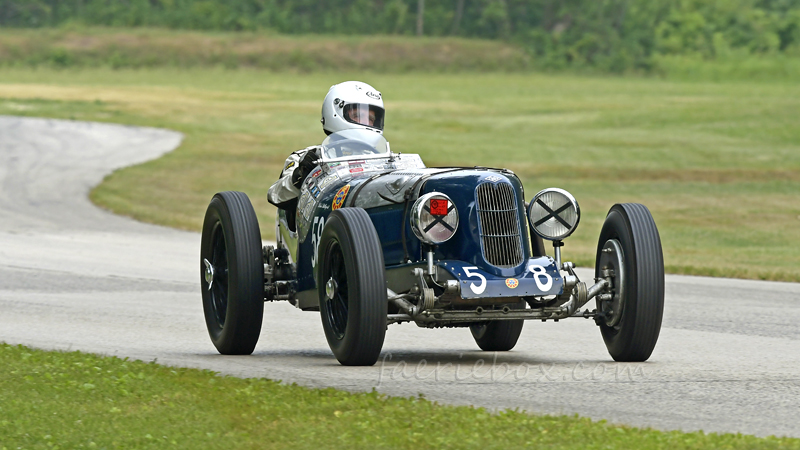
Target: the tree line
(613, 35)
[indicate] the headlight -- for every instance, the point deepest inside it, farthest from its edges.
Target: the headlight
(554, 214)
(434, 218)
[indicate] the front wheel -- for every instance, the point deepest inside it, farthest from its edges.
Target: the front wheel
(352, 287)
(232, 274)
(629, 256)
(499, 335)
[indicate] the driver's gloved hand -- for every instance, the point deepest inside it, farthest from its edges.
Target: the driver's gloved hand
(306, 165)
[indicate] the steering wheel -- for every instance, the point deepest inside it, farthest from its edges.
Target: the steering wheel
(355, 146)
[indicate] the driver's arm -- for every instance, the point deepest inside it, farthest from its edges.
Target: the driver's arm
(287, 188)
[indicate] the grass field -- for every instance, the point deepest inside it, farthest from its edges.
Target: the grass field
(53, 400)
(718, 163)
(77, 47)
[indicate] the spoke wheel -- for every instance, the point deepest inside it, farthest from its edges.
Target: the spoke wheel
(352, 288)
(336, 294)
(216, 275)
(498, 335)
(232, 274)
(629, 256)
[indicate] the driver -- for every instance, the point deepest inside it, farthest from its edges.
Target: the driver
(348, 105)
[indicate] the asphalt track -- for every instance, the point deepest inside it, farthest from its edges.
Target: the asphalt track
(74, 277)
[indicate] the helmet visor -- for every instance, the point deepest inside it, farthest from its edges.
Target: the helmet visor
(364, 114)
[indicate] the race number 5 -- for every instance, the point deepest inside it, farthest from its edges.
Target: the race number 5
(316, 234)
(538, 273)
(478, 289)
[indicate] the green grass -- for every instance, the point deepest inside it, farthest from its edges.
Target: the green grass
(718, 163)
(57, 400)
(739, 66)
(77, 47)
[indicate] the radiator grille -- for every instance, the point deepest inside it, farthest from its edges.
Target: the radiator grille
(499, 224)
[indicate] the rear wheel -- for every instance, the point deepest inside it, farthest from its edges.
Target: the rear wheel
(537, 243)
(499, 335)
(629, 255)
(232, 274)
(352, 287)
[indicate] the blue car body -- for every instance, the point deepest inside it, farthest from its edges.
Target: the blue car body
(490, 255)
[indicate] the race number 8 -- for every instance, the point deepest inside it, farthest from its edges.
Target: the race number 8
(538, 273)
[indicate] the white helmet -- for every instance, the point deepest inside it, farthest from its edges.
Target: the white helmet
(352, 104)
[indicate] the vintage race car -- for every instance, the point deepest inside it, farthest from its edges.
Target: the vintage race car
(377, 238)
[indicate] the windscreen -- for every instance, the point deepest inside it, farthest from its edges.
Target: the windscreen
(355, 143)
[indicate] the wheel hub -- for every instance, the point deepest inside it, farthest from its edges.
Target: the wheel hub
(330, 288)
(612, 268)
(209, 274)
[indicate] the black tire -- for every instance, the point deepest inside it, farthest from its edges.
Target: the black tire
(631, 322)
(498, 335)
(352, 287)
(231, 244)
(538, 244)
